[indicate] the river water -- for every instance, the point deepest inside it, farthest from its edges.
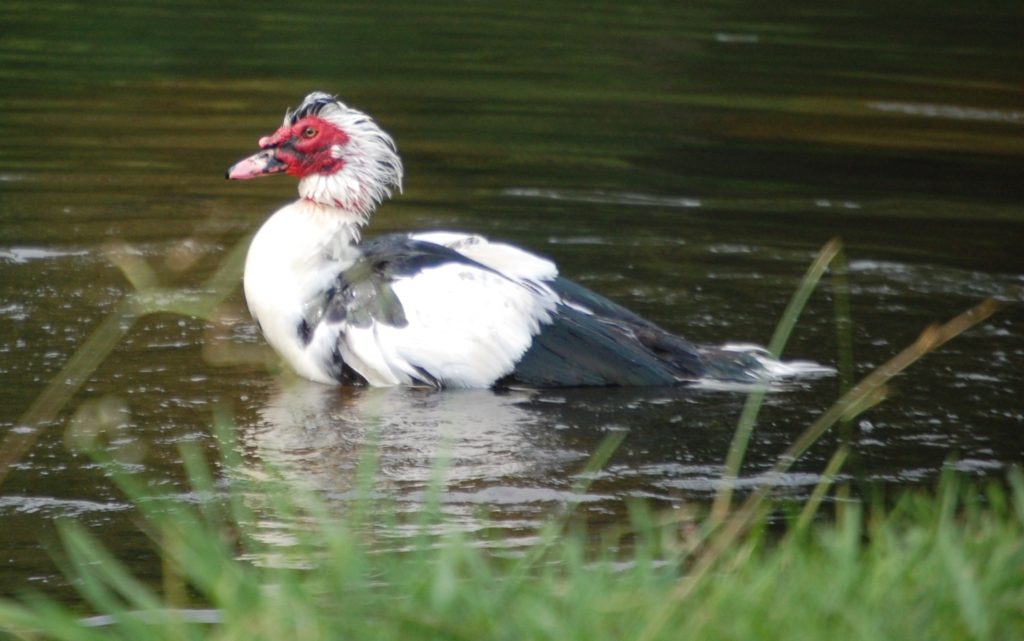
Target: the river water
(685, 160)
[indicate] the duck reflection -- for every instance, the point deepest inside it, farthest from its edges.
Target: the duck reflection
(514, 454)
(493, 448)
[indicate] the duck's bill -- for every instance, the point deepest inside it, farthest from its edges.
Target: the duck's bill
(263, 163)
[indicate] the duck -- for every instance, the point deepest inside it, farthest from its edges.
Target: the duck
(438, 309)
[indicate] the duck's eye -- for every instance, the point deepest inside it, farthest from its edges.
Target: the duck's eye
(308, 132)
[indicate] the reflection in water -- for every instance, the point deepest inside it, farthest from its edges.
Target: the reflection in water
(321, 431)
(514, 454)
(495, 449)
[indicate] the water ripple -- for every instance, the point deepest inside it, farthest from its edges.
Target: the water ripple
(56, 507)
(949, 112)
(633, 199)
(24, 254)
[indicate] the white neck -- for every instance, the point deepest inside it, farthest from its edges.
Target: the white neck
(294, 257)
(338, 196)
(331, 217)
(308, 232)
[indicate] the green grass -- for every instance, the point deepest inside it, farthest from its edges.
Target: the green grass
(946, 565)
(943, 565)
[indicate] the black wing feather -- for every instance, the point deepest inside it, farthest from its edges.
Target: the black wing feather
(609, 346)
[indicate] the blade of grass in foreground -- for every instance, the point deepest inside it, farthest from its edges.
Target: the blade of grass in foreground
(149, 299)
(752, 406)
(869, 391)
(948, 565)
(844, 339)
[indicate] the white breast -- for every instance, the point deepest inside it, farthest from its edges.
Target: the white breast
(294, 256)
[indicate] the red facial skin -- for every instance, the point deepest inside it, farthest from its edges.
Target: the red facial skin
(305, 147)
(299, 150)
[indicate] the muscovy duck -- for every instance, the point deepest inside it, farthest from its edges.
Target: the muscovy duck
(439, 309)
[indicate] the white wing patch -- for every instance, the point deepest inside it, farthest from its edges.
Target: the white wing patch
(467, 327)
(507, 259)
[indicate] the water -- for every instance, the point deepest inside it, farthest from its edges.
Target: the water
(687, 161)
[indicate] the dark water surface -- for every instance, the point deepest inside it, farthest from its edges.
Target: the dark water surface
(686, 160)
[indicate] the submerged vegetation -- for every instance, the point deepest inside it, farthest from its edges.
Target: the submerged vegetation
(940, 566)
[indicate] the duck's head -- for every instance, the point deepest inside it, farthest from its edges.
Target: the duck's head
(341, 157)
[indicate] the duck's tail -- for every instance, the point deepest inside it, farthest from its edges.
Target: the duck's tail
(749, 364)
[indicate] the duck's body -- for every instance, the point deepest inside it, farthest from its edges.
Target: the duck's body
(441, 309)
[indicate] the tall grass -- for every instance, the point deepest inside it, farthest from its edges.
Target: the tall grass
(945, 567)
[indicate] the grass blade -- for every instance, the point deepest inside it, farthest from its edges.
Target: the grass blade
(865, 394)
(752, 406)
